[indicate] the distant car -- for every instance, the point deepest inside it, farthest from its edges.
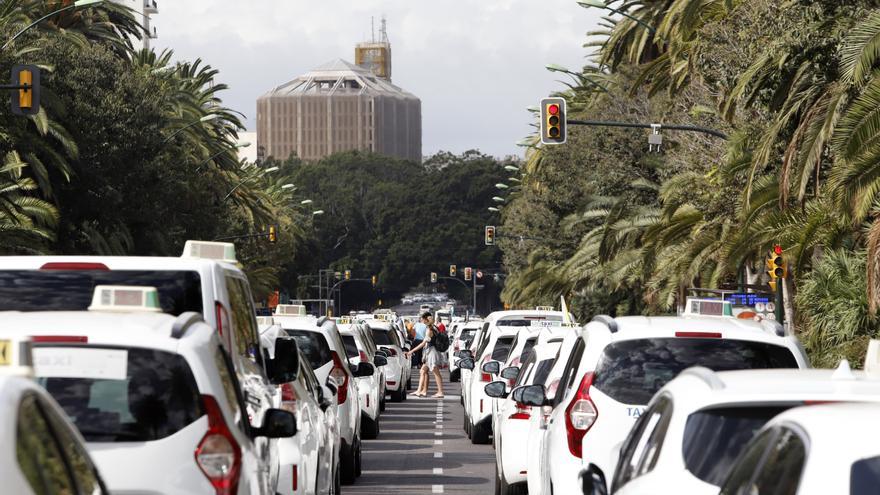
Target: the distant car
(397, 370)
(151, 393)
(615, 365)
(462, 334)
(39, 442)
(370, 389)
(698, 424)
(811, 450)
(319, 340)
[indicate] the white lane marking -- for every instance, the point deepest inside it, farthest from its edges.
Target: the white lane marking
(438, 433)
(436, 488)
(439, 427)
(438, 455)
(438, 470)
(438, 442)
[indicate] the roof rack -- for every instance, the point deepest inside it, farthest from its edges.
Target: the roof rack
(183, 322)
(608, 321)
(708, 376)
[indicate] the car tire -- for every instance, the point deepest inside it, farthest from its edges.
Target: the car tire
(358, 461)
(409, 383)
(455, 375)
(498, 487)
(515, 489)
(479, 435)
(382, 404)
(348, 469)
(398, 395)
(369, 428)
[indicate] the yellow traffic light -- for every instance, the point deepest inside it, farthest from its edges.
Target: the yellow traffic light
(273, 234)
(25, 86)
(26, 96)
(347, 274)
(776, 266)
(434, 277)
(468, 274)
(375, 280)
(490, 235)
(453, 270)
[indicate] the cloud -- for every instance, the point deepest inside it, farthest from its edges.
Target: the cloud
(476, 64)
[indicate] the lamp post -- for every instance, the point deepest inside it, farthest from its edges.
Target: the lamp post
(215, 155)
(266, 171)
(599, 4)
(498, 199)
(287, 186)
(206, 118)
(74, 5)
(502, 186)
(494, 210)
(579, 77)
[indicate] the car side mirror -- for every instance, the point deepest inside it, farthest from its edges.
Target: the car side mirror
(380, 360)
(492, 367)
(285, 367)
(496, 390)
(382, 352)
(593, 480)
(533, 395)
(324, 404)
(516, 395)
(364, 369)
(510, 373)
(466, 354)
(277, 423)
(466, 364)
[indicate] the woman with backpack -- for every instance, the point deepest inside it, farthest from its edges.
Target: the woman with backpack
(432, 360)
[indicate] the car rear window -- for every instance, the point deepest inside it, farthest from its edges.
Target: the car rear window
(154, 396)
(714, 438)
(865, 476)
(384, 337)
(502, 348)
(632, 371)
(351, 348)
(71, 290)
(313, 346)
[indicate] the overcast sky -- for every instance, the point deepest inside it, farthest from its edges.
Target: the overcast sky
(475, 64)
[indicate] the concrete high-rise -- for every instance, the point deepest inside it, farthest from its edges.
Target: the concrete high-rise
(341, 106)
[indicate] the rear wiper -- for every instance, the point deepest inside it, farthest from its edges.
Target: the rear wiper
(118, 434)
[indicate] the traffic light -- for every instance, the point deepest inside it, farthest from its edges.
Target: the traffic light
(433, 277)
(468, 274)
(553, 125)
(776, 266)
(375, 280)
(26, 96)
(347, 274)
(490, 235)
(273, 234)
(453, 270)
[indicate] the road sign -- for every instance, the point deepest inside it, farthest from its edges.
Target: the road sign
(479, 274)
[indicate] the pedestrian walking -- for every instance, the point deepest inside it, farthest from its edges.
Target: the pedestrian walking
(432, 360)
(421, 327)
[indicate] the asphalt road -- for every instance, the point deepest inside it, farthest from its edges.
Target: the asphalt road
(422, 449)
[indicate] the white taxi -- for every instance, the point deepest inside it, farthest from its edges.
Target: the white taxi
(319, 340)
(813, 450)
(462, 334)
(617, 365)
(151, 393)
(371, 389)
(697, 425)
(398, 369)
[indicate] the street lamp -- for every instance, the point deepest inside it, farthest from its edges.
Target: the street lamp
(493, 209)
(215, 155)
(74, 5)
(206, 118)
(287, 186)
(306, 202)
(317, 213)
(514, 179)
(502, 186)
(511, 168)
(498, 199)
(262, 172)
(579, 77)
(599, 4)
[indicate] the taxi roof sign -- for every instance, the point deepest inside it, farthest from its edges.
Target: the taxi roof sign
(16, 357)
(219, 251)
(343, 320)
(265, 320)
(872, 358)
(290, 310)
(544, 308)
(123, 298)
(708, 307)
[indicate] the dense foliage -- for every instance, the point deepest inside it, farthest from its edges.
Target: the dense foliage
(796, 88)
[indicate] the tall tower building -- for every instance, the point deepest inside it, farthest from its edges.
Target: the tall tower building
(143, 11)
(340, 106)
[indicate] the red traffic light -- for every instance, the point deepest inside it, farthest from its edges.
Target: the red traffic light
(777, 249)
(553, 109)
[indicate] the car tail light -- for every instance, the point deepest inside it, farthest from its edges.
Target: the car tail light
(699, 335)
(580, 415)
(75, 266)
(368, 400)
(218, 454)
(522, 412)
(295, 478)
(364, 357)
(340, 377)
(288, 398)
(392, 383)
(59, 339)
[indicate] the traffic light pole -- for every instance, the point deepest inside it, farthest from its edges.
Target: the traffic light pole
(780, 311)
(474, 290)
(240, 237)
(670, 127)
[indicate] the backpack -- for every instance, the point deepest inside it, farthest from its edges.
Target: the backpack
(440, 340)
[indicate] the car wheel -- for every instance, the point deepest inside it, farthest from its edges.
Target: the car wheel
(382, 403)
(409, 383)
(399, 395)
(369, 428)
(497, 481)
(358, 466)
(515, 489)
(348, 471)
(479, 435)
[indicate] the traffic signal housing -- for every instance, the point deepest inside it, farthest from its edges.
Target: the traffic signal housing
(490, 235)
(273, 234)
(375, 280)
(468, 274)
(434, 277)
(776, 266)
(453, 270)
(347, 274)
(26, 96)
(553, 121)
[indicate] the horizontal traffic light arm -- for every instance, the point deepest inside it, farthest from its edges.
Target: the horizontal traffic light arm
(669, 127)
(239, 237)
(11, 87)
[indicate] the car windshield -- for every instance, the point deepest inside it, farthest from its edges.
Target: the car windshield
(714, 438)
(313, 345)
(153, 395)
(632, 371)
(71, 290)
(865, 476)
(351, 349)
